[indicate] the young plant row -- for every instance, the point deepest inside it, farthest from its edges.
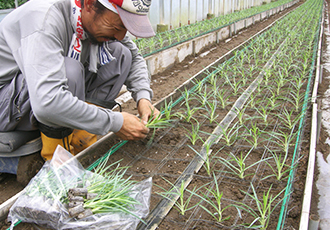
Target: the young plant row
(266, 125)
(167, 39)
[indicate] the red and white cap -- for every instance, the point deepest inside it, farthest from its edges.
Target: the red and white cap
(133, 14)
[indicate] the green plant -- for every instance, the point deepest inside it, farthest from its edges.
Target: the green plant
(204, 97)
(296, 100)
(264, 112)
(158, 122)
(230, 134)
(199, 85)
(254, 100)
(112, 189)
(265, 208)
(254, 133)
(166, 110)
(193, 134)
(288, 119)
(283, 139)
(234, 84)
(8, 4)
(211, 109)
(188, 113)
(241, 115)
(205, 155)
(182, 204)
(222, 98)
(281, 168)
(237, 165)
(217, 205)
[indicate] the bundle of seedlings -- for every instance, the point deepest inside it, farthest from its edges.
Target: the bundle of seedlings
(73, 197)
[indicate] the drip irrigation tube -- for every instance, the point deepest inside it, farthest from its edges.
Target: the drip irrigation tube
(288, 190)
(165, 205)
(305, 213)
(120, 144)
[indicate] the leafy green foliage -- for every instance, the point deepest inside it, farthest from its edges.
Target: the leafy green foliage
(9, 4)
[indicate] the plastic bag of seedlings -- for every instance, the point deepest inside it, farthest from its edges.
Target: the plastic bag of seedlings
(112, 200)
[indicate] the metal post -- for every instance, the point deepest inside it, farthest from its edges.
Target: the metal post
(16, 3)
(161, 12)
(180, 13)
(203, 11)
(188, 12)
(170, 14)
(210, 7)
(196, 11)
(232, 6)
(213, 9)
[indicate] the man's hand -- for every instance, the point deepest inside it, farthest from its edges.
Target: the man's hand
(146, 109)
(133, 128)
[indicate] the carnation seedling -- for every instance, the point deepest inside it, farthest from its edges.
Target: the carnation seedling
(237, 164)
(216, 195)
(176, 194)
(265, 208)
(193, 135)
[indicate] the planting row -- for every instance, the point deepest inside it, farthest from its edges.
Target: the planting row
(221, 154)
(169, 38)
(253, 153)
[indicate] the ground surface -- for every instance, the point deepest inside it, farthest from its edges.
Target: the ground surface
(322, 146)
(163, 84)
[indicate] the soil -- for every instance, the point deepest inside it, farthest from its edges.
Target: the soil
(323, 136)
(149, 159)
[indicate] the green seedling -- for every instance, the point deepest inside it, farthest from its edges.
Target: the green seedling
(217, 205)
(167, 110)
(288, 119)
(264, 112)
(204, 97)
(113, 192)
(265, 208)
(205, 155)
(211, 107)
(254, 133)
(283, 139)
(230, 134)
(281, 168)
(220, 95)
(237, 165)
(241, 116)
(296, 100)
(234, 84)
(199, 85)
(157, 122)
(193, 135)
(181, 204)
(188, 113)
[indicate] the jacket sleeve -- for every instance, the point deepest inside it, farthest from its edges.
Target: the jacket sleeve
(138, 80)
(42, 63)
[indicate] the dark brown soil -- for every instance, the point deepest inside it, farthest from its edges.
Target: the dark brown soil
(151, 161)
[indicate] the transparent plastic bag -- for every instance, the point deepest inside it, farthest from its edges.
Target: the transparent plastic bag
(43, 200)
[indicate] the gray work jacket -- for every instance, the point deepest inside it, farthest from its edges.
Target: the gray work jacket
(34, 39)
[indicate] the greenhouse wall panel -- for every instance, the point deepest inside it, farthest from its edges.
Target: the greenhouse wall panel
(224, 33)
(165, 59)
(204, 41)
(248, 22)
(239, 25)
(263, 15)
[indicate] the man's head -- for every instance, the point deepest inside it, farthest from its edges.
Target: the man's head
(110, 19)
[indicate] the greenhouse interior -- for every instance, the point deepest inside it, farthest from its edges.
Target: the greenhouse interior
(234, 146)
